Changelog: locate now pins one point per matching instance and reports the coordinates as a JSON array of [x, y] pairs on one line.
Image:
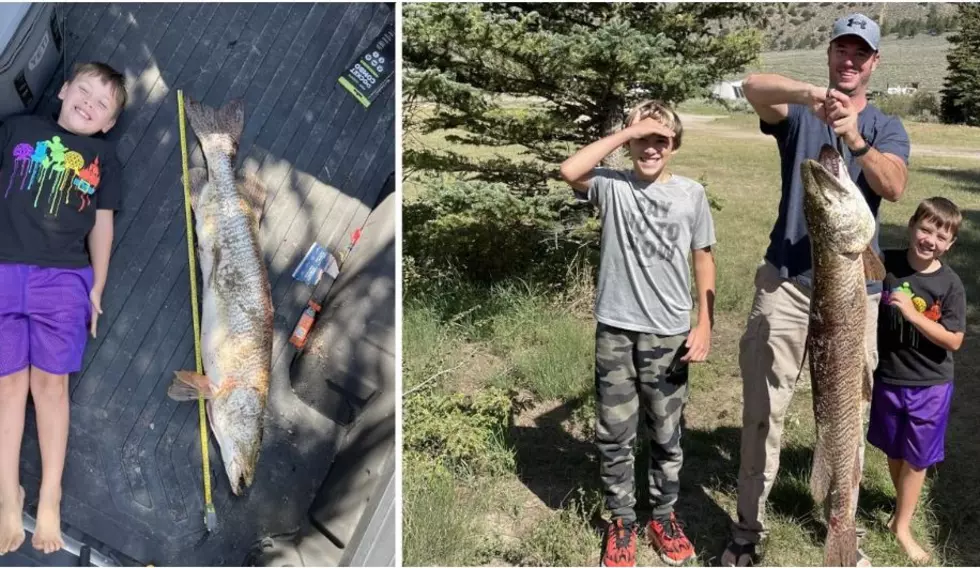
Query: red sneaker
[[669, 541], [620, 548]]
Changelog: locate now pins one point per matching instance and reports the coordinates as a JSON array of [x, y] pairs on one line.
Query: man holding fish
[[871, 160]]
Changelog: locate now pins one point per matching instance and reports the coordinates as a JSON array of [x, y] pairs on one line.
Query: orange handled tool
[[302, 329]]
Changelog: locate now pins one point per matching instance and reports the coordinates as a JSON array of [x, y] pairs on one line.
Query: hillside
[[796, 25], [922, 61]]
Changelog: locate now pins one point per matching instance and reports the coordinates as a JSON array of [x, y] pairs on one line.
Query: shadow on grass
[[969, 179], [552, 463], [557, 466]]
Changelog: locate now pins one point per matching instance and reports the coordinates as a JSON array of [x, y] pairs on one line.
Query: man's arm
[[770, 95], [577, 169], [699, 340], [886, 173]]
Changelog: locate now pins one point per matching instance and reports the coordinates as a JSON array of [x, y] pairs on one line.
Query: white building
[[729, 90]]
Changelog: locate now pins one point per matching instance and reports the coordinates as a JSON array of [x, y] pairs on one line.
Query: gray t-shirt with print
[[648, 231]]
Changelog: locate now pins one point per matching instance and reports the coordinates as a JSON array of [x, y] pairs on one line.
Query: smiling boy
[[61, 184], [652, 222], [921, 324]]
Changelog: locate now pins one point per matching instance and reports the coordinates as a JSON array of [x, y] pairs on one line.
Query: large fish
[[236, 300], [841, 228]]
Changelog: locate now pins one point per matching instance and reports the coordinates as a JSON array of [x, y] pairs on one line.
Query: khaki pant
[[770, 355]]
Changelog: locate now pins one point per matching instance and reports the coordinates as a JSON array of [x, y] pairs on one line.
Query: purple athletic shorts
[[44, 317], [909, 423]]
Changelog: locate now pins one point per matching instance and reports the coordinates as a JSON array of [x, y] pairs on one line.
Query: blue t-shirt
[[799, 137]]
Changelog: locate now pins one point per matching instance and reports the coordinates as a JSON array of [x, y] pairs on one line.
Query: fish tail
[[220, 129]]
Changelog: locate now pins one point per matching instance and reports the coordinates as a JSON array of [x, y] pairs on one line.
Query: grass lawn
[[544, 506]]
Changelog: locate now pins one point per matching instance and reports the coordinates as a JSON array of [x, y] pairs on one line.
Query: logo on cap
[[860, 22]]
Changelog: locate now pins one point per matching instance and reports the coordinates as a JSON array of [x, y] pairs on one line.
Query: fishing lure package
[[317, 262], [373, 69]]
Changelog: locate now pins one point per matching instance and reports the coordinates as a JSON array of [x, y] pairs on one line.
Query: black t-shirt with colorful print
[[52, 182], [906, 357]]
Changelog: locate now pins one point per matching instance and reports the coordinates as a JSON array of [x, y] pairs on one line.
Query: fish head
[[236, 417], [837, 213]]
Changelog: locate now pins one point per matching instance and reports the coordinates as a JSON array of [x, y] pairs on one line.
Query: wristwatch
[[862, 151]]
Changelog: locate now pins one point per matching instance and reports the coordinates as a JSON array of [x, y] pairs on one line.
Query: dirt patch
[[478, 366], [519, 512]]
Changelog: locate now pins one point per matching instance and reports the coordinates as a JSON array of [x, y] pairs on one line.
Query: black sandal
[[737, 554]]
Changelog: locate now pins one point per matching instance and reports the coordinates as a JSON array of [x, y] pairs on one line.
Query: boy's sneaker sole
[[603, 564], [666, 559], [671, 562]]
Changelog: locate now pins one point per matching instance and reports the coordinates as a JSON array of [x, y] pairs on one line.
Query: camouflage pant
[[631, 371]]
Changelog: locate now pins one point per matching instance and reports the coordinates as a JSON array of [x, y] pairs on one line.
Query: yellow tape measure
[[210, 515]]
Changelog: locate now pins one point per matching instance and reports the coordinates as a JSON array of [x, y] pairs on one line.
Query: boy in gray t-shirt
[[651, 220]]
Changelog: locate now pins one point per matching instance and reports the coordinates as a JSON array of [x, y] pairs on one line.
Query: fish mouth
[[239, 445], [239, 475], [831, 161], [836, 212], [828, 174]]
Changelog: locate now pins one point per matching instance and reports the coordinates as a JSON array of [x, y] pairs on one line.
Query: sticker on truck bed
[[373, 69], [39, 52]]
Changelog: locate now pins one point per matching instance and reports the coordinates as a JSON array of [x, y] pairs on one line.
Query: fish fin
[[867, 383], [187, 385], [215, 262], [198, 179], [873, 267], [806, 351], [254, 193], [231, 118], [821, 473]]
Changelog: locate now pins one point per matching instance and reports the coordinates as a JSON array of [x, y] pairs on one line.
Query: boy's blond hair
[[941, 211], [108, 75], [662, 114]]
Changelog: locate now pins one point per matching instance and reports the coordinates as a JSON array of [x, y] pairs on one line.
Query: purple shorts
[[909, 423], [44, 317]]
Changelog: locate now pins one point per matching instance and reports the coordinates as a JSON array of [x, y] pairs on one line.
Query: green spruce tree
[[961, 90], [569, 72]]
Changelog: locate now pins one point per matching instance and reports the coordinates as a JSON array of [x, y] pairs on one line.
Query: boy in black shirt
[[60, 185], [920, 325]]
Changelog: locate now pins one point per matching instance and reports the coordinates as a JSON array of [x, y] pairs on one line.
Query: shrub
[[465, 433], [919, 105], [487, 233]]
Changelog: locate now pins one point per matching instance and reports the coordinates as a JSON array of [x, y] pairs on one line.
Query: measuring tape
[[210, 515]]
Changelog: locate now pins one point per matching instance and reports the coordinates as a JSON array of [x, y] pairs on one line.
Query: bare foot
[[47, 535], [12, 525], [911, 547]]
